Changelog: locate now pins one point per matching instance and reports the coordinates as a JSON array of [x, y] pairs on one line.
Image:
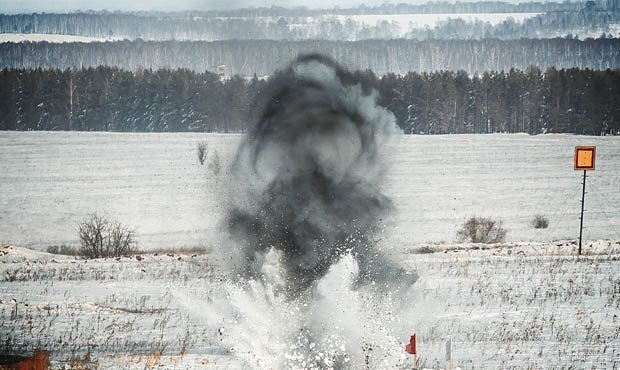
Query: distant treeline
[[432, 7], [46, 20], [109, 99], [263, 57], [586, 23], [577, 19]]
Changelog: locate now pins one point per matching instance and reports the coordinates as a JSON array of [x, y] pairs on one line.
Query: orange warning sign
[[584, 158]]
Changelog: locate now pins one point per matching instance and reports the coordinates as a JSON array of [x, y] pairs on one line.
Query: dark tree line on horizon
[[264, 57], [580, 101]]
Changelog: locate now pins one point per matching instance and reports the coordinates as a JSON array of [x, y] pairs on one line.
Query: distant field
[[153, 183], [407, 22], [404, 22], [415, 20], [511, 305], [37, 37], [50, 181]]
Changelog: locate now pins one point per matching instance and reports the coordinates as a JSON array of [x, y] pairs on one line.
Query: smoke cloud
[[311, 174]]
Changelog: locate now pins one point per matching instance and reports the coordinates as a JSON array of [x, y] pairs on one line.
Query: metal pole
[[583, 198]]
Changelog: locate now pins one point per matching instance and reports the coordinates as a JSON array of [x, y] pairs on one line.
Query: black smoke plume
[[311, 172]]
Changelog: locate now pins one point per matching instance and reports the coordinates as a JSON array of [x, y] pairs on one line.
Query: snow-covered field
[[526, 303], [37, 37], [523, 305], [405, 23], [50, 181], [153, 183], [414, 21]]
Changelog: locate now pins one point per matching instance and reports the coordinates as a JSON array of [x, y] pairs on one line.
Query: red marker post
[[410, 349]]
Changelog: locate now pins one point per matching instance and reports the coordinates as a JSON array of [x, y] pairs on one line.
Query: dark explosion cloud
[[310, 174]]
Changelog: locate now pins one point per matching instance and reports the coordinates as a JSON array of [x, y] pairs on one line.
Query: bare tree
[[201, 151], [100, 237]]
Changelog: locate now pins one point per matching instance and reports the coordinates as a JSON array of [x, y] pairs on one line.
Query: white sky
[[12, 6]]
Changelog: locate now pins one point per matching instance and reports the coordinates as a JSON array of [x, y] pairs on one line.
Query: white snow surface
[[37, 37], [527, 303], [512, 305], [51, 181]]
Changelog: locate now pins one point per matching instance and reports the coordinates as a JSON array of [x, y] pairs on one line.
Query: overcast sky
[[12, 6]]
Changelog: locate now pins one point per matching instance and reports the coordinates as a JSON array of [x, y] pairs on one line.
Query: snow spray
[[312, 289]]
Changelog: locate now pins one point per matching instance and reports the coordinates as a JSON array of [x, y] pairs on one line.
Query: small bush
[[176, 251], [62, 249], [482, 230], [540, 222], [423, 250], [201, 151], [100, 237]]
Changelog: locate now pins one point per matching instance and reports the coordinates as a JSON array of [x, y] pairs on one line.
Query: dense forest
[[575, 100], [436, 79], [576, 19], [263, 57]]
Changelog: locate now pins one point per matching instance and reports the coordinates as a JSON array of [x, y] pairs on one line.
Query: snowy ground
[[528, 303], [50, 181], [153, 183], [515, 305], [37, 37]]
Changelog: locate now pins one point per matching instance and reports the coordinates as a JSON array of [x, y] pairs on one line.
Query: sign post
[[584, 160]]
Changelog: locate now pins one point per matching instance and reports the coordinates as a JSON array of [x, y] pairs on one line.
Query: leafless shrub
[[423, 250], [100, 237], [201, 151], [482, 230], [540, 222], [176, 251], [11, 275], [62, 249]]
